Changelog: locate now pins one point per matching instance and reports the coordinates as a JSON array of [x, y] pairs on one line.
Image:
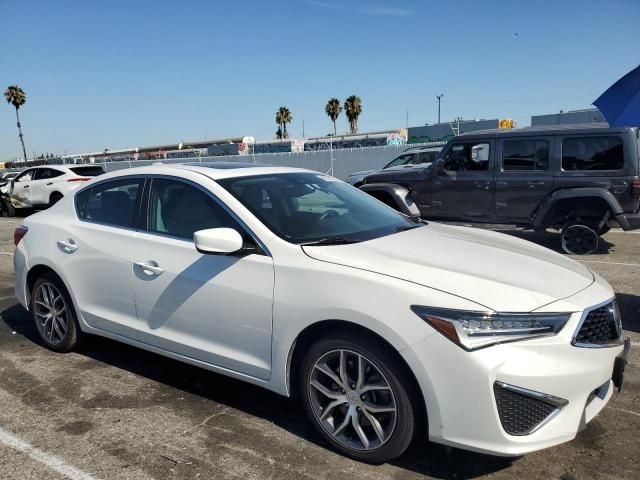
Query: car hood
[[363, 172], [498, 271]]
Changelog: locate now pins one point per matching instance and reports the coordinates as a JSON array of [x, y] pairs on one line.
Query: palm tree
[[283, 116], [16, 97], [353, 109], [333, 109]]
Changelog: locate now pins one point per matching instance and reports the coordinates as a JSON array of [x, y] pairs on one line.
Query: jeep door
[[464, 187], [524, 176]]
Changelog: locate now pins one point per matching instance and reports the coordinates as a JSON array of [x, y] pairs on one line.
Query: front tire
[[357, 395], [53, 314]]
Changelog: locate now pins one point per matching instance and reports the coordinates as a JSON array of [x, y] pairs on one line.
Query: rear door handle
[[535, 184], [149, 269], [50, 183], [68, 246], [25, 186]]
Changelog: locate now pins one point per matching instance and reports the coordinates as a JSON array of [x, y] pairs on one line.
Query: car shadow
[[552, 240], [422, 457]]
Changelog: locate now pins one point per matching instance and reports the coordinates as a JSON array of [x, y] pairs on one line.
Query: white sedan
[[388, 328]]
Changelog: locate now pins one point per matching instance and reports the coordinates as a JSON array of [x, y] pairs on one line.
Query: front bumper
[[628, 221], [459, 388]]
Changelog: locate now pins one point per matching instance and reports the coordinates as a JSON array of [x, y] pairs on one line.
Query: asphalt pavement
[[111, 411]]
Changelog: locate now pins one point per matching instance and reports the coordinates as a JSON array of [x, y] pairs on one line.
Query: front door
[[20, 189], [213, 308], [524, 177], [464, 188]]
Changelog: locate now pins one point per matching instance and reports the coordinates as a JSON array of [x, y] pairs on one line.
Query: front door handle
[[67, 245], [535, 184], [149, 269], [50, 183], [25, 186]]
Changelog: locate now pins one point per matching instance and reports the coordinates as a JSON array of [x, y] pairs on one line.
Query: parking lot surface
[[110, 411]]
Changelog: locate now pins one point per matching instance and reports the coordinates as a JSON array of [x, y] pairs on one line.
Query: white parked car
[[300, 283], [39, 187]]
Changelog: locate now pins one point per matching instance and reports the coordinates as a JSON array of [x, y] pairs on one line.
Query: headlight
[[472, 330]]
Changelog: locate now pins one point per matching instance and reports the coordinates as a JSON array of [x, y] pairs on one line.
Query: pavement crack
[[222, 411]]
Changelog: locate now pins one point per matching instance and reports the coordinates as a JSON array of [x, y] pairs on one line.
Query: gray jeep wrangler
[[579, 179]]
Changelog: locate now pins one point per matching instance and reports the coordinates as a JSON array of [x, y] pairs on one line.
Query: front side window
[[467, 156], [592, 153], [529, 155], [427, 157], [179, 209], [306, 208], [25, 176], [401, 160], [113, 203]]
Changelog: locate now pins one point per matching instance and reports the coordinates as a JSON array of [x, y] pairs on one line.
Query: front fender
[[400, 194]]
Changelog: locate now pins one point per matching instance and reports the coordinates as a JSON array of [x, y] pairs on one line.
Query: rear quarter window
[[81, 199], [592, 153], [88, 171]]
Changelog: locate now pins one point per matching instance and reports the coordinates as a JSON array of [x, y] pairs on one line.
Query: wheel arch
[[315, 330], [562, 201]]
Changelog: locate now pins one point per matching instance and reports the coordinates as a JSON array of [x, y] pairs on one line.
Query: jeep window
[[592, 153], [525, 155], [467, 156], [427, 157], [401, 160]]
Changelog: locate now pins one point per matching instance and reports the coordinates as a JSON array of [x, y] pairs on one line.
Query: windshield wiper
[[404, 228], [334, 240]]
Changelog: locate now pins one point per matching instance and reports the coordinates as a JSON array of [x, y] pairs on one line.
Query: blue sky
[[115, 74]]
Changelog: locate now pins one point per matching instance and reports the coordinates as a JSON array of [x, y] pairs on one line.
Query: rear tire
[[579, 239], [53, 314], [365, 409]]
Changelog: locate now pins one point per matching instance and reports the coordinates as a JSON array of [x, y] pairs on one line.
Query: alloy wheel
[[51, 313], [579, 239], [352, 400]]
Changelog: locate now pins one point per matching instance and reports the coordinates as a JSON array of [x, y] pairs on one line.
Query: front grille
[[521, 413], [600, 326]]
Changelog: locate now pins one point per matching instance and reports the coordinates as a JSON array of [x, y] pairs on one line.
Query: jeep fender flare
[[547, 205], [401, 195]]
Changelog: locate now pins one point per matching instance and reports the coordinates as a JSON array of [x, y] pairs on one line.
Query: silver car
[[410, 157]]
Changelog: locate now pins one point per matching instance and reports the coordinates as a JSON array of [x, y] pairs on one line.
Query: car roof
[[588, 128], [213, 170]]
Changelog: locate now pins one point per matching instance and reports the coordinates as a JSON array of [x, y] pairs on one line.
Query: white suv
[[298, 282], [40, 187]]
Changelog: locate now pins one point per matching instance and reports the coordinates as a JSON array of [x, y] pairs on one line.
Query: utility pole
[[303, 128], [439, 97]]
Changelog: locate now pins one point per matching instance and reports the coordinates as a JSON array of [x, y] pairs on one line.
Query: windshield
[[311, 208], [401, 160]]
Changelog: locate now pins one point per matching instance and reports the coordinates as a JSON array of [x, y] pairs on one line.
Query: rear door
[[96, 254], [465, 187], [524, 176], [41, 185]]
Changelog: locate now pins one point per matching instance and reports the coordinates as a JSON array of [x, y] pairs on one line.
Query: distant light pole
[[439, 97]]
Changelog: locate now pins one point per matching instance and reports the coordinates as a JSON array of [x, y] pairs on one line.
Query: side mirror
[[217, 241]]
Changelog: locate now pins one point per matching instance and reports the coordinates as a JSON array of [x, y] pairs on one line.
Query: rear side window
[[46, 173], [526, 155], [81, 200], [592, 153], [113, 203], [88, 171], [427, 157]]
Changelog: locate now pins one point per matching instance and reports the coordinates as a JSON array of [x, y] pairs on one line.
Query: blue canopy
[[620, 104]]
